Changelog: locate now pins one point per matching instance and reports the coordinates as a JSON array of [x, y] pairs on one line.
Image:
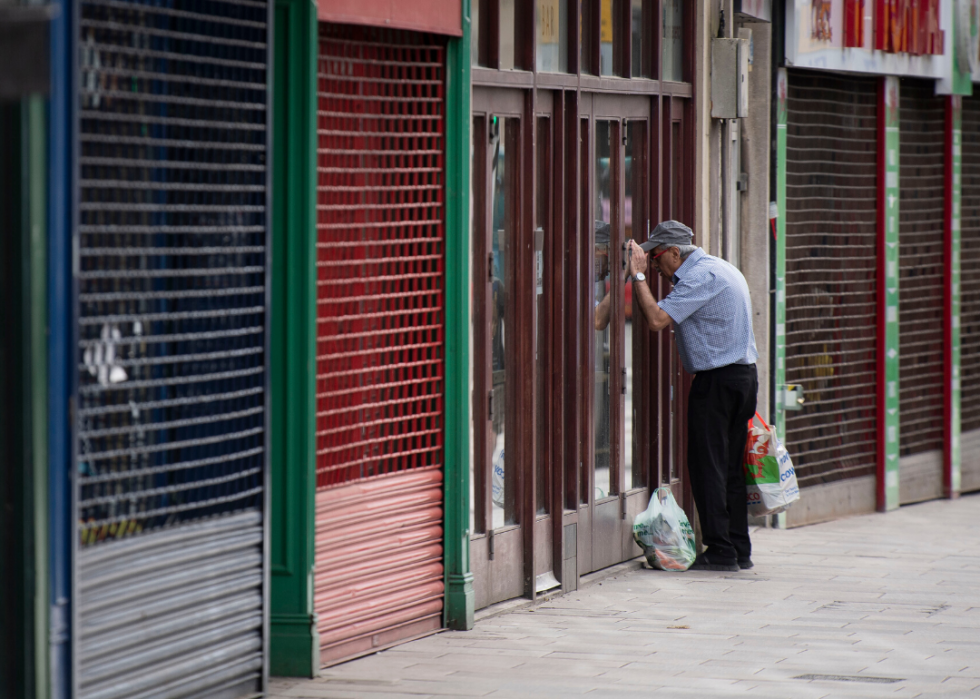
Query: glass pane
[[505, 135], [603, 279], [585, 195], [636, 229], [639, 63], [673, 41], [475, 32], [541, 232], [606, 37], [477, 228], [552, 33], [675, 169], [507, 47]]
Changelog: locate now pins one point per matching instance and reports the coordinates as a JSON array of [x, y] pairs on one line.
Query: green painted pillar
[[951, 339], [887, 305], [459, 580], [779, 370], [294, 644]]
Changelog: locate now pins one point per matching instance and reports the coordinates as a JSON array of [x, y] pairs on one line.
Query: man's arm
[[602, 313], [656, 317]]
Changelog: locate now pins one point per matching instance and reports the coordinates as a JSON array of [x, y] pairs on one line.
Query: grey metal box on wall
[[729, 78]]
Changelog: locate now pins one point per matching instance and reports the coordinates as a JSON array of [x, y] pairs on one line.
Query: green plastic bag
[[664, 533]]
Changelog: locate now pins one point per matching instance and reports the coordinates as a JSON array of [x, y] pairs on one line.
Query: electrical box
[[793, 397], [729, 78]]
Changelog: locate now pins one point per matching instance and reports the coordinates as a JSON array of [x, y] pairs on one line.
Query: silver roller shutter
[[170, 412]]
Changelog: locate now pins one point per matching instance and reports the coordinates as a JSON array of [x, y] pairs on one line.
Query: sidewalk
[[878, 605]]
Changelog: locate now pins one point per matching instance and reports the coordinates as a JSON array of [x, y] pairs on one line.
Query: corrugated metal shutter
[[970, 296], [170, 420], [830, 274], [380, 355], [921, 254]]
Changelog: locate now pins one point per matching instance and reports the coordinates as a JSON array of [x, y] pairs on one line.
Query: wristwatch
[[640, 277]]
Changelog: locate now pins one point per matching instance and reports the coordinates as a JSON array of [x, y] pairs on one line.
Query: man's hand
[[638, 259]]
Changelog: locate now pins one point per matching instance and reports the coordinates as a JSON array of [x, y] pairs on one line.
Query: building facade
[[869, 289]]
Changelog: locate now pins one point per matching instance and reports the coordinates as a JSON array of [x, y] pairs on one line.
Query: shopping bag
[[770, 478], [664, 533]]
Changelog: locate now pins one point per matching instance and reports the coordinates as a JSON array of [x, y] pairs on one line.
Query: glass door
[[500, 449]]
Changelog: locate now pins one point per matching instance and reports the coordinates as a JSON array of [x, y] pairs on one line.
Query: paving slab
[[874, 606]]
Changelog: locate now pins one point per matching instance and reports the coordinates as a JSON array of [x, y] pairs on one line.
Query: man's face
[[666, 262]]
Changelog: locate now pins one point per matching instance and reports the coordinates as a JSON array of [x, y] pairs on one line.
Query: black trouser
[[719, 407]]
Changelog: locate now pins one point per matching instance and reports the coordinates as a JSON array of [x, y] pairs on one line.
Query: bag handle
[[761, 420]]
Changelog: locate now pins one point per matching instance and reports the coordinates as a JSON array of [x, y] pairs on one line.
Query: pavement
[[871, 606]]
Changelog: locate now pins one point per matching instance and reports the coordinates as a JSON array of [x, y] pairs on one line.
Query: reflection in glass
[[673, 40], [507, 43], [504, 138], [636, 223], [476, 227], [600, 406], [639, 65], [606, 37], [552, 32], [541, 231], [585, 195], [475, 32]]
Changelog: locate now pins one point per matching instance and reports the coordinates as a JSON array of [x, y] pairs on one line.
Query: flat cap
[[602, 231], [668, 233]]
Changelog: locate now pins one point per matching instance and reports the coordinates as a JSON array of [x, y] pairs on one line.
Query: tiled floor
[[888, 603]]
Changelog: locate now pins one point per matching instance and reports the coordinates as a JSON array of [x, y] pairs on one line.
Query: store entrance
[[577, 406]]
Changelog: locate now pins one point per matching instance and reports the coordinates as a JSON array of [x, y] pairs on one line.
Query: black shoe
[[702, 562], [745, 563]]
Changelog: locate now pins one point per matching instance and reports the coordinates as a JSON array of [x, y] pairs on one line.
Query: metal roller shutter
[[830, 274], [970, 297], [380, 355], [171, 282], [921, 225]]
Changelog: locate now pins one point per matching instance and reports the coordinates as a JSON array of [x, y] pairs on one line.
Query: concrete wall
[[920, 477], [822, 503], [754, 219]]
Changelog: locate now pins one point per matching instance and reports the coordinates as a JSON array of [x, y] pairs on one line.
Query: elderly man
[[712, 316]]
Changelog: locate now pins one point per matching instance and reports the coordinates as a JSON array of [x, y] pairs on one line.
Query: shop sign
[[890, 37]]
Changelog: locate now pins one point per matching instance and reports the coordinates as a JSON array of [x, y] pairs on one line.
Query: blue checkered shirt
[[712, 314]]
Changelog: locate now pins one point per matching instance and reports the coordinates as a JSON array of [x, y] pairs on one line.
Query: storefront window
[[475, 32], [507, 34], [640, 19], [542, 232], [505, 138], [606, 37], [636, 223], [552, 33], [673, 40], [603, 281]]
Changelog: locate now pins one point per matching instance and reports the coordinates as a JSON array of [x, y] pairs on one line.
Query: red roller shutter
[[380, 353], [831, 315], [921, 252], [970, 297]]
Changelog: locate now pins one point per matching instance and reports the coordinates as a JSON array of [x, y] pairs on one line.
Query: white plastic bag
[[770, 478], [664, 533]]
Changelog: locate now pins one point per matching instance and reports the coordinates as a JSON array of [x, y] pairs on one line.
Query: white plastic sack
[[498, 474], [664, 533], [770, 478]]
